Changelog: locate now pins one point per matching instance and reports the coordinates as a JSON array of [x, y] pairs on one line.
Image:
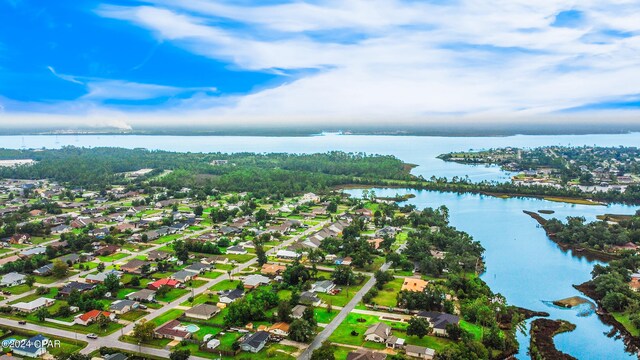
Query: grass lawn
[[241, 258], [212, 274], [322, 316], [623, 318], [343, 335], [196, 283], [52, 294], [113, 257], [167, 238], [387, 296], [474, 329], [167, 316], [133, 315], [225, 267], [172, 295], [344, 296], [225, 285], [18, 289], [154, 343]]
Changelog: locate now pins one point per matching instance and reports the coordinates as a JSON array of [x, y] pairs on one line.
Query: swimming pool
[[191, 328]]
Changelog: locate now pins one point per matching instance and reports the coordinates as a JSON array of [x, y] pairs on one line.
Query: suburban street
[[333, 325]]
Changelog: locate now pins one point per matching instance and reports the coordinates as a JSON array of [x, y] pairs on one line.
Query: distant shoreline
[[313, 133]]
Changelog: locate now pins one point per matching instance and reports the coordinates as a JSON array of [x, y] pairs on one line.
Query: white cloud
[[396, 59]]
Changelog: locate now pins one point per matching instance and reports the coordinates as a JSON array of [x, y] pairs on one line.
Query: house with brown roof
[[279, 329], [634, 284], [375, 243], [272, 269], [91, 316], [19, 238], [411, 284], [172, 330], [134, 266], [107, 250]]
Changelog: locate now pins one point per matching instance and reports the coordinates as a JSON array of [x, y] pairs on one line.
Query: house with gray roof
[[12, 279], [254, 342]]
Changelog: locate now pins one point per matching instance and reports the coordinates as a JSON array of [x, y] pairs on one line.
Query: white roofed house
[[236, 250], [323, 286], [255, 280], [286, 254], [31, 306], [12, 279]]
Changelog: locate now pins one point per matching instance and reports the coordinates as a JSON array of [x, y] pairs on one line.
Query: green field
[[387, 296]]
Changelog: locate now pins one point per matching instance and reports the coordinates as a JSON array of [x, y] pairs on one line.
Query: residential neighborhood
[[227, 274]]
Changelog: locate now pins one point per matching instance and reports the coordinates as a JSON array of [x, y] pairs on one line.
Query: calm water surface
[[522, 263]]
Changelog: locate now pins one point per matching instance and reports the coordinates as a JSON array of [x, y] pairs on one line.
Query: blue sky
[[128, 62]]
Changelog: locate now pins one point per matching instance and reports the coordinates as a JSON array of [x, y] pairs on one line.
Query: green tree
[[42, 314], [418, 326], [112, 283], [324, 352], [143, 330], [100, 267], [343, 275], [103, 322], [60, 269], [300, 330], [30, 280], [180, 354]]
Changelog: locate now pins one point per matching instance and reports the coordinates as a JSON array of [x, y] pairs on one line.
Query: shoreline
[[577, 250], [542, 345], [632, 343]]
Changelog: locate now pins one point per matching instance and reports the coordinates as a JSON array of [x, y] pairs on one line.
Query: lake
[[522, 263]]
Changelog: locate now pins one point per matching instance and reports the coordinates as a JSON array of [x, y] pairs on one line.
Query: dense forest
[[265, 174]]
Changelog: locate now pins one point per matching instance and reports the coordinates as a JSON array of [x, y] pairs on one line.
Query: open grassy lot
[[212, 274], [322, 316], [133, 315], [113, 257], [239, 257], [167, 238], [387, 296], [169, 315], [225, 285], [172, 295]]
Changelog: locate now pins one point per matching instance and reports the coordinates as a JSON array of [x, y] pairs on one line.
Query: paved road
[[329, 329]]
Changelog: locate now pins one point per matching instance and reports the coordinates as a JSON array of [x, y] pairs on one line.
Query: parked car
[[143, 307], [22, 322], [92, 336]]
